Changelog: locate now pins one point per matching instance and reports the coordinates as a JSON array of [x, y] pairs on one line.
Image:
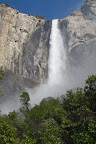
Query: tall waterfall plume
[[56, 68], [57, 56]]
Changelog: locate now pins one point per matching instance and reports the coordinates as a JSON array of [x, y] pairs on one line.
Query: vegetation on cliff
[[6, 4], [40, 17], [1, 77], [71, 122]]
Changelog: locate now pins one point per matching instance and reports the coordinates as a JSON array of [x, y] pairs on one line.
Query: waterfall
[[56, 73], [56, 68], [60, 78], [57, 56]]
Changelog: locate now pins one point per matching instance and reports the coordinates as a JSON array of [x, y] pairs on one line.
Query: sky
[[51, 9]]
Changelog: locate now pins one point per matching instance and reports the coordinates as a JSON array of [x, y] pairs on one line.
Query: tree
[[73, 100], [90, 92], [24, 99], [7, 5], [1, 77], [8, 133], [40, 17], [49, 132], [1, 74], [91, 83]]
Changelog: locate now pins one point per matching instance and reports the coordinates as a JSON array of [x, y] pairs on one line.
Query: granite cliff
[[23, 49], [24, 45], [79, 29]]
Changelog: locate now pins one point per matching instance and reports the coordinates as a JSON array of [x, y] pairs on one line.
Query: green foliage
[[73, 100], [1, 77], [7, 5], [1, 74], [0, 94], [12, 115], [91, 83], [71, 122], [49, 132], [7, 133], [38, 114], [40, 17], [90, 92], [24, 99]]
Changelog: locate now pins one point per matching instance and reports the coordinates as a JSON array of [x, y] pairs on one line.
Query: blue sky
[[51, 9]]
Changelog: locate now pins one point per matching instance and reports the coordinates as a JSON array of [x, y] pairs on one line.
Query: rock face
[[79, 33], [24, 44], [35, 54]]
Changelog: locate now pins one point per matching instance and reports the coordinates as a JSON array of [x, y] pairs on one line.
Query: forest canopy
[[71, 122]]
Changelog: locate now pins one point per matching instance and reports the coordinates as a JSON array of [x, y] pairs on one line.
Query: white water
[[59, 78], [57, 56], [56, 70]]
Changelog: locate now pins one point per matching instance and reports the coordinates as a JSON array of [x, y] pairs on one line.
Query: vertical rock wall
[[24, 44]]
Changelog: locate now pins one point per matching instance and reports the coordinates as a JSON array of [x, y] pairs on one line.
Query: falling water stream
[[60, 78], [56, 68], [57, 56]]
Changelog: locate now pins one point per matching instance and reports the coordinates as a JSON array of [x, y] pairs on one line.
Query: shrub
[[7, 5], [24, 99], [40, 17]]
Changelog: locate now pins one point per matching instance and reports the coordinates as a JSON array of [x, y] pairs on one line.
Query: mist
[[64, 72], [61, 76]]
